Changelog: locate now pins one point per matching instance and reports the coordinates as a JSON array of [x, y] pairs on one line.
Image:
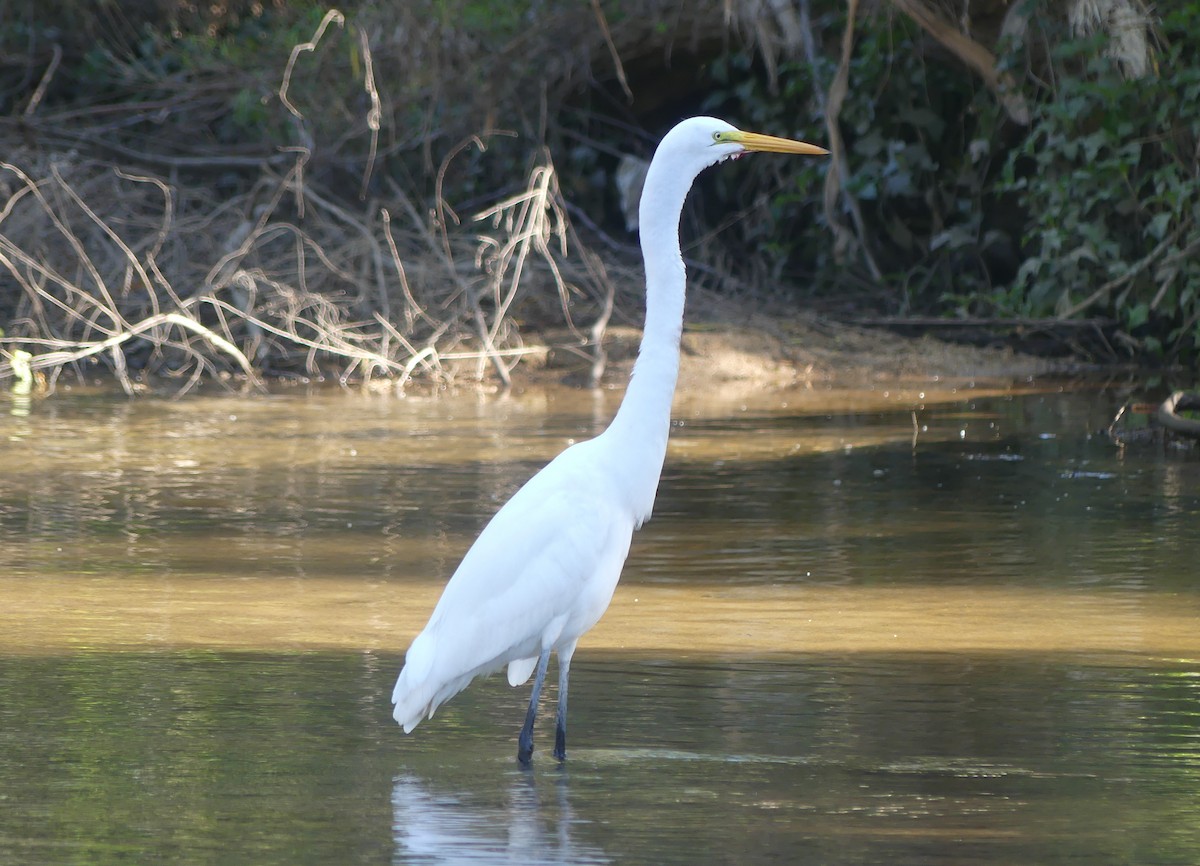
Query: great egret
[[544, 568]]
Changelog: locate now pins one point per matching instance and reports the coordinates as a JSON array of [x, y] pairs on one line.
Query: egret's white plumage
[[543, 570]]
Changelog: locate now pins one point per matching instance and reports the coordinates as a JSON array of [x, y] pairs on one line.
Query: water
[[866, 625]]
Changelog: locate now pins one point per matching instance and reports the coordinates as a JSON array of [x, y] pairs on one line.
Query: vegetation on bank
[[406, 189]]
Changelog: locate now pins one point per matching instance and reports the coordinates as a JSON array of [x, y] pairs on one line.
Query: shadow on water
[[867, 626]]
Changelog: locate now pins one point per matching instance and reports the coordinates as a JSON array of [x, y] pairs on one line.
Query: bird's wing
[[543, 570]]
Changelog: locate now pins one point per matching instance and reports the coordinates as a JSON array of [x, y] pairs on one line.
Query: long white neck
[[639, 431]]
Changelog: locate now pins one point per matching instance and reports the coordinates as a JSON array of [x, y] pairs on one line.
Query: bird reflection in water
[[533, 827]]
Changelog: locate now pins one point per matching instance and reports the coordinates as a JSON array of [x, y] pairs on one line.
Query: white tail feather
[[414, 690], [424, 684]]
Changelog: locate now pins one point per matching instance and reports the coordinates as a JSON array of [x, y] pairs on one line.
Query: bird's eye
[[716, 136]]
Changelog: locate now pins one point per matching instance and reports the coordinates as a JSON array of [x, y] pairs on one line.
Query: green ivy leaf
[[1137, 315], [1157, 227]]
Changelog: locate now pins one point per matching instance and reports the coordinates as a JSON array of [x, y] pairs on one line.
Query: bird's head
[[690, 147], [710, 140]]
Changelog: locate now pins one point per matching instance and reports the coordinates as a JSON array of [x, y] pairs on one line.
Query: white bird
[[544, 568]]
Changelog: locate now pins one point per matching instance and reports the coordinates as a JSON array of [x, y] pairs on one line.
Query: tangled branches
[[271, 275], [108, 266]]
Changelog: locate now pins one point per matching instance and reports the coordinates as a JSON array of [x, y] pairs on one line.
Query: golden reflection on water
[[329, 427], [52, 615], [222, 456]]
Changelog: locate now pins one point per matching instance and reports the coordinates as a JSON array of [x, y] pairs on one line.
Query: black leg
[[560, 726], [525, 739]]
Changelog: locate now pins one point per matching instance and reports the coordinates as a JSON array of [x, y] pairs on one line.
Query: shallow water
[[866, 625]]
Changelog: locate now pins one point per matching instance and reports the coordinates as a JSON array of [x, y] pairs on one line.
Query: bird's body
[[540, 574], [544, 569]]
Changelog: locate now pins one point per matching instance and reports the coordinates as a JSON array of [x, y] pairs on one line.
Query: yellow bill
[[773, 144]]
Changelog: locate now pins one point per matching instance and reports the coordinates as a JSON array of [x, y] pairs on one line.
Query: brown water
[[842, 639]]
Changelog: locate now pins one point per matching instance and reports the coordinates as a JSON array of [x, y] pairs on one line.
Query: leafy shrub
[[1109, 181], [1093, 210], [917, 136]]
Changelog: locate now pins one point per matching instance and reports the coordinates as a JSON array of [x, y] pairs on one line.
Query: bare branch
[[47, 77], [612, 49], [971, 53], [332, 16], [374, 115]]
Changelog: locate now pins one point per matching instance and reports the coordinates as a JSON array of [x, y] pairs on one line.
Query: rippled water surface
[[874, 624]]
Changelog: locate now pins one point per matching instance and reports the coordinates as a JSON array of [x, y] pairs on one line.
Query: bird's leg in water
[[560, 727], [525, 740]]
